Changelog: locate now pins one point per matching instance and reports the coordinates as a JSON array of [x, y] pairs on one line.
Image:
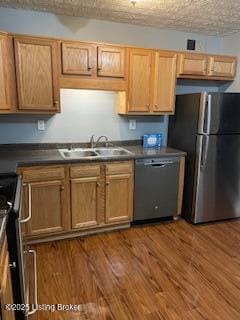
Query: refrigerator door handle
[[204, 149], [209, 109], [205, 114]]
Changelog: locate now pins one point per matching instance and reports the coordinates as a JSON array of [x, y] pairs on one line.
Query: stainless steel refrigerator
[[207, 127]]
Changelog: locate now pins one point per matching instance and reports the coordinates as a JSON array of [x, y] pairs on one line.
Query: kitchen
[[84, 204]]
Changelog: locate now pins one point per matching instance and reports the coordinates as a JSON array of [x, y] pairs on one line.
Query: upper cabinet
[[219, 66], [93, 66], [152, 82], [203, 66], [164, 82], [111, 61], [78, 58], [140, 75], [192, 64], [33, 69], [37, 71], [7, 75]]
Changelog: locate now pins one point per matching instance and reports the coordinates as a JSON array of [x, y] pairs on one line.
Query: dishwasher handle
[[158, 165], [161, 164]]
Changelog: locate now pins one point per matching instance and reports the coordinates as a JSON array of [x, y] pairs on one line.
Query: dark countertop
[[10, 160]]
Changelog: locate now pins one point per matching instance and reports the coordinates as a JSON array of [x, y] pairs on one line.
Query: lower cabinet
[[119, 192], [84, 202], [101, 194], [60, 200], [44, 204], [6, 295]]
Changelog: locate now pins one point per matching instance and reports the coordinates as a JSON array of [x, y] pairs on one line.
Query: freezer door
[[220, 113], [217, 188]]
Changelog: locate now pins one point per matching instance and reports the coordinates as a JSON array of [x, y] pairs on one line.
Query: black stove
[[10, 201]]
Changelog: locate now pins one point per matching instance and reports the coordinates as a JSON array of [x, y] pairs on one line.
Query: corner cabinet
[[152, 83], [37, 72], [8, 102], [203, 66]]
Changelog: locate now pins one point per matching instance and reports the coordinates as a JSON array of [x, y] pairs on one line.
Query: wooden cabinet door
[[37, 70], [111, 61], [165, 82], [219, 66], [78, 58], [6, 295], [7, 76], [140, 68], [119, 198], [48, 208], [85, 202], [192, 64]]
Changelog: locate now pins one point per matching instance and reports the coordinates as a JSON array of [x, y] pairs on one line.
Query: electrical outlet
[[41, 125], [132, 124]]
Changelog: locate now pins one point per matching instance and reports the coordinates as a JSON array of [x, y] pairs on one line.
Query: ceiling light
[[133, 2]]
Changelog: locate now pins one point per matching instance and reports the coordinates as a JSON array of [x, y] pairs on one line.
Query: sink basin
[[77, 153], [93, 152], [109, 152]]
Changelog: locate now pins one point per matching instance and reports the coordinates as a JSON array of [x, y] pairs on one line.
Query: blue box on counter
[[153, 140]]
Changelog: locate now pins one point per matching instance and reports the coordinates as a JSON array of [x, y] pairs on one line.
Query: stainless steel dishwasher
[[156, 188]]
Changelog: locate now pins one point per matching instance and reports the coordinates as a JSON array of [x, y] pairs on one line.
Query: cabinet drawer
[[38, 174], [119, 167], [85, 171]]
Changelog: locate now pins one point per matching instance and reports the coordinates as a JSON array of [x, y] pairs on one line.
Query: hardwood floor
[[171, 271]]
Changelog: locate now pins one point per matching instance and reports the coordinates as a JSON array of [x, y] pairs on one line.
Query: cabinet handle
[[206, 67], [156, 107], [98, 184], [62, 188], [34, 310], [148, 107], [56, 103], [13, 265], [107, 183], [99, 60], [29, 205]]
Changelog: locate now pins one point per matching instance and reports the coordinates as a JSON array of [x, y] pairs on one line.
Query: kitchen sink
[[109, 152], [77, 153], [80, 153]]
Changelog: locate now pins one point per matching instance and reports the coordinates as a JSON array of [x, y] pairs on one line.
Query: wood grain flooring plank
[[169, 271]]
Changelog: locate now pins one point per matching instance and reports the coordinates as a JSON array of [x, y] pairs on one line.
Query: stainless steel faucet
[[94, 144]]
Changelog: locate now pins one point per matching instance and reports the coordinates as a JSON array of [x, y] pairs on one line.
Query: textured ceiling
[[213, 17]]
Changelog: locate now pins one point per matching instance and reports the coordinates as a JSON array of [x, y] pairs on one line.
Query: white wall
[[83, 113], [231, 46]]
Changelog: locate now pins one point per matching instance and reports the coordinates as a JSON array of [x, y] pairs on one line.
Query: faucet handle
[[92, 141], [109, 144]]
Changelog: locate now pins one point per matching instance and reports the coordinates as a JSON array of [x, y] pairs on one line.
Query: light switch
[[41, 125], [132, 124]]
